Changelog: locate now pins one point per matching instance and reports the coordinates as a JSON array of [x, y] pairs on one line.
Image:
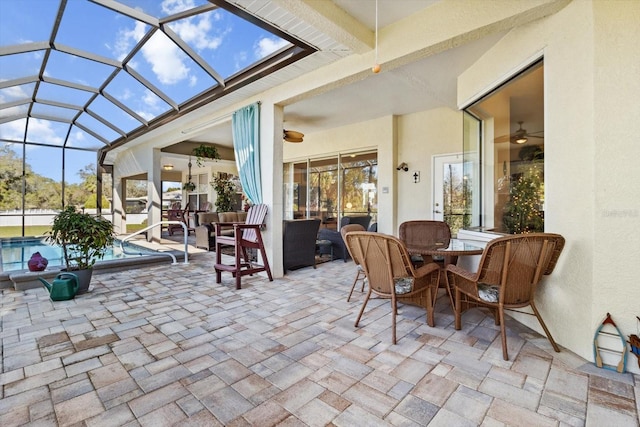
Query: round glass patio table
[[449, 253]]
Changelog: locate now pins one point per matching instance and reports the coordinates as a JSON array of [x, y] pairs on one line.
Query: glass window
[[332, 188], [323, 190], [359, 184], [504, 156], [136, 196]]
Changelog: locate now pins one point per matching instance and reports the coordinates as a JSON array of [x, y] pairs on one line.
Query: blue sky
[[227, 43]]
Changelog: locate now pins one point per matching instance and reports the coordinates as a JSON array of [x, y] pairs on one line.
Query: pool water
[[16, 252]]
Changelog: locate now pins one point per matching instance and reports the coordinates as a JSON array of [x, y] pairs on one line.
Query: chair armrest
[[427, 269], [242, 226], [459, 271], [462, 279]]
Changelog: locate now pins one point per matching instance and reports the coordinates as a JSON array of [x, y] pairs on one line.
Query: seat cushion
[[488, 293], [207, 217], [403, 285]]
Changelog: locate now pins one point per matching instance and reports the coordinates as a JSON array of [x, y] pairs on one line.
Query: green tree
[[10, 178]]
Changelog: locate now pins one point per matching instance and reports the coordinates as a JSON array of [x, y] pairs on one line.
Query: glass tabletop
[[455, 247]]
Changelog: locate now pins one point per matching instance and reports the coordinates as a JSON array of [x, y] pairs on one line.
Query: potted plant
[[189, 186], [84, 239], [205, 152]]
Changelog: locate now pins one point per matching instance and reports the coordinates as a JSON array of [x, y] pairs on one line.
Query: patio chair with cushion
[[390, 274], [338, 247], [246, 235], [359, 271], [507, 277]]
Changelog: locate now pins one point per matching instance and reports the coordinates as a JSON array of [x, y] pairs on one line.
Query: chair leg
[[394, 311], [266, 261], [431, 321], [354, 284], [546, 331], [218, 261], [503, 333], [364, 304], [458, 310]]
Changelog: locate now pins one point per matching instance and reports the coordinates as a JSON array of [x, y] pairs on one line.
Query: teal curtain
[[246, 144]]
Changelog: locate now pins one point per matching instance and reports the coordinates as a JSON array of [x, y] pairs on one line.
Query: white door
[[447, 189]]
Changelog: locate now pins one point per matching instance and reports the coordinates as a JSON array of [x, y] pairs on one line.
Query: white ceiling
[[419, 86]]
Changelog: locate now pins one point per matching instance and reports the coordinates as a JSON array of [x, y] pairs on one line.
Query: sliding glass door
[[330, 188]]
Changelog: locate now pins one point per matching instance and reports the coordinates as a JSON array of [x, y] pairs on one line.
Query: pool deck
[[165, 345]]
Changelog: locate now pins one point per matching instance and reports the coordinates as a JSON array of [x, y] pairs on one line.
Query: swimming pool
[[16, 252]]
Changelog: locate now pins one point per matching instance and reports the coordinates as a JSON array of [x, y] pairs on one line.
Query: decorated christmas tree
[[523, 212]]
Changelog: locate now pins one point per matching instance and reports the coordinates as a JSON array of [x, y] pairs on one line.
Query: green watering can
[[63, 288]]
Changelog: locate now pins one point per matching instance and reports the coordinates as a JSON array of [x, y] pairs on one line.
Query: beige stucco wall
[[591, 151], [420, 137]]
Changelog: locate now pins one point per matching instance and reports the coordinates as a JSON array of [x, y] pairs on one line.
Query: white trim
[[495, 84]]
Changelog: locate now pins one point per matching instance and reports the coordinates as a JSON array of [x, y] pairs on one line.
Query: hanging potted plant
[[84, 239], [205, 152], [189, 186]]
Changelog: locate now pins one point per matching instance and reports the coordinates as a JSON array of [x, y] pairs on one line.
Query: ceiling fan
[[292, 135], [520, 136]]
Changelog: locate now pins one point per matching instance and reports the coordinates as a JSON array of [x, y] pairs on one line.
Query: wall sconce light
[[403, 166], [167, 167]]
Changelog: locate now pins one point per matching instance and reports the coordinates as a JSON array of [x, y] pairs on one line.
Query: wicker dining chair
[[360, 276], [390, 274], [510, 269], [424, 233]]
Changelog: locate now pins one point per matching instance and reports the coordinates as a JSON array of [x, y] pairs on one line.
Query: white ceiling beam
[[328, 18]]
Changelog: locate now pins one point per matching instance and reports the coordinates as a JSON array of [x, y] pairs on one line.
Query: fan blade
[[291, 139], [503, 138], [535, 136]]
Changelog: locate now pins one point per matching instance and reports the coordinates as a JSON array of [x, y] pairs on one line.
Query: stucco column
[[154, 196], [271, 117]]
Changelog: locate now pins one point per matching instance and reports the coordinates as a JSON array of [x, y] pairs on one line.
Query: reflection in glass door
[[451, 193], [332, 188]]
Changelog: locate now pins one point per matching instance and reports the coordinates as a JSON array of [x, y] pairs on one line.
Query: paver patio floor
[[165, 345]]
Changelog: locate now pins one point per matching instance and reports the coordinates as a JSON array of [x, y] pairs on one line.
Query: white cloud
[[240, 59], [145, 115], [266, 46], [13, 130], [12, 93], [41, 131], [174, 6], [126, 39], [166, 59], [150, 100], [195, 31]]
